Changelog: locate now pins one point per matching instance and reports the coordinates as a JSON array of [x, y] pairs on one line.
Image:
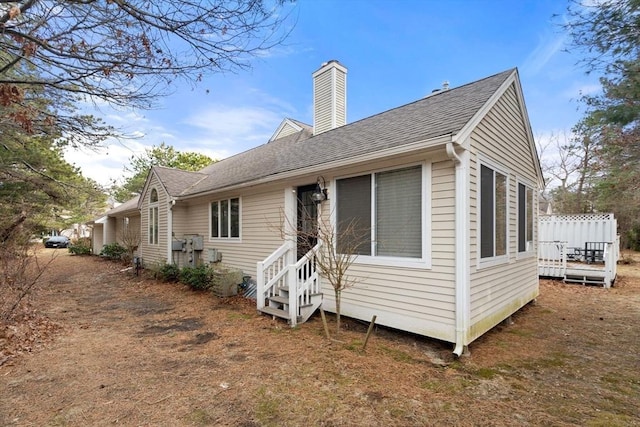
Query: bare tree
[[123, 53], [336, 255], [20, 271], [340, 246], [130, 238], [569, 163]]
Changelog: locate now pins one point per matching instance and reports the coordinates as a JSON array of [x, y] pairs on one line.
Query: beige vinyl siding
[[499, 290], [419, 300], [322, 102], [260, 216], [443, 218], [286, 130], [340, 100], [97, 238], [154, 254], [110, 231]]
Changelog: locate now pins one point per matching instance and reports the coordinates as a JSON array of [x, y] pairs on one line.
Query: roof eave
[[319, 168]]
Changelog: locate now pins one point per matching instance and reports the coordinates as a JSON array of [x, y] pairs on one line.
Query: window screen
[[354, 215], [399, 213]]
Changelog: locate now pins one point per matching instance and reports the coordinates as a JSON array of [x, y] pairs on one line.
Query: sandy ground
[[103, 347]]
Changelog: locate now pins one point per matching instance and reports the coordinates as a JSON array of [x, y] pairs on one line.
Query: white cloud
[[548, 45], [105, 164]]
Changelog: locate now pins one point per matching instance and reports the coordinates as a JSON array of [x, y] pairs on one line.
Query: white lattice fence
[[577, 229]]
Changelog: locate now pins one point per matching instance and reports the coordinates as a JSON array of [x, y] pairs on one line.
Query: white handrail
[[303, 282], [270, 272]]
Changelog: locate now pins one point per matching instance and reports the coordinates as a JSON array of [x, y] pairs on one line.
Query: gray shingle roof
[[176, 181], [442, 113], [129, 205]]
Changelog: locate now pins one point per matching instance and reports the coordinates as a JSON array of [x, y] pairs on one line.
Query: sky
[[396, 51]]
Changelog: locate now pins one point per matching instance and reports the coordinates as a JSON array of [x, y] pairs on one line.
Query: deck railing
[[552, 259], [610, 262]]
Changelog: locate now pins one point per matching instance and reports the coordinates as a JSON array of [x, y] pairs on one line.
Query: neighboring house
[[118, 225], [445, 188]]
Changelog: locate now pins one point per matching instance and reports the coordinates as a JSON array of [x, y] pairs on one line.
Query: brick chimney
[[329, 97]]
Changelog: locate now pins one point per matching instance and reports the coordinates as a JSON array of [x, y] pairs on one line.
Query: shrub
[[198, 278], [166, 272], [81, 247], [114, 251]]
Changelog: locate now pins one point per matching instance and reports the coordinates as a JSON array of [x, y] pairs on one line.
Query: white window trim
[[532, 251], [425, 262], [500, 259], [227, 239], [152, 206]]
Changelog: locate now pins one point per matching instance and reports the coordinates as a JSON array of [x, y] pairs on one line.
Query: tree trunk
[[337, 311]]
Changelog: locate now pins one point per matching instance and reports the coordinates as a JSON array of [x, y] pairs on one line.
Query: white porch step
[[279, 299], [276, 312]]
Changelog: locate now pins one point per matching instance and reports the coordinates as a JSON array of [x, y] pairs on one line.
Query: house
[[119, 225], [444, 188]]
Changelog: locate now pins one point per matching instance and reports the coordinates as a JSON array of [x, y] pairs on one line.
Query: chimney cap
[[324, 64], [332, 63]]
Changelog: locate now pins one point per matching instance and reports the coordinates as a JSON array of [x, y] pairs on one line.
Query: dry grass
[[131, 351]]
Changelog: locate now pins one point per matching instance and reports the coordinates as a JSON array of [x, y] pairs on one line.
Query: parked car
[[57, 242]]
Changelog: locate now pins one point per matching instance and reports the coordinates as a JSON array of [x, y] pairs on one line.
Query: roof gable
[[288, 127], [173, 181], [513, 80]]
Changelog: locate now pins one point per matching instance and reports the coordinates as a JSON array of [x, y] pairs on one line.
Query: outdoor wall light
[[320, 193]]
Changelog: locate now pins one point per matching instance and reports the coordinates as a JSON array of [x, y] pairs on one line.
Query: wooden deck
[[555, 261]]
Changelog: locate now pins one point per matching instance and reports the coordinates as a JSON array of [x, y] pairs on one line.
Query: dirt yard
[[105, 347]]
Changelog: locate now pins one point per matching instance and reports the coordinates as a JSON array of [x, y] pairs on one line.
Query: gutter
[[172, 203], [462, 251]]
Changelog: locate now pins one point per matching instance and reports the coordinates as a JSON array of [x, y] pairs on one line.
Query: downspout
[[172, 203], [462, 252]]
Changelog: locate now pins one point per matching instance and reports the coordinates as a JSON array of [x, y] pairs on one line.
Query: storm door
[[307, 220]]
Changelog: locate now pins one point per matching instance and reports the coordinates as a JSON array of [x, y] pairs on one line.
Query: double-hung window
[[154, 221], [382, 214], [525, 218], [225, 219], [493, 213]]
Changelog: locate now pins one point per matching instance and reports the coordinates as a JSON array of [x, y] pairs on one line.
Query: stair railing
[[304, 282], [272, 273]]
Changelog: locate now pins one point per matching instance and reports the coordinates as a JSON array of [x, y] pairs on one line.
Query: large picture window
[[381, 214], [154, 221], [493, 213], [225, 218], [525, 218]]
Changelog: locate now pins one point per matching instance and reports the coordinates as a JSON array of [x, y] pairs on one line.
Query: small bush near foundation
[[198, 278], [81, 247], [113, 251], [166, 272]]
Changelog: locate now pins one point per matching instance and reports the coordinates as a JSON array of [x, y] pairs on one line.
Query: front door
[[307, 223]]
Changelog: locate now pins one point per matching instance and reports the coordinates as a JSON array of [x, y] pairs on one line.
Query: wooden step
[[276, 312], [279, 299]]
